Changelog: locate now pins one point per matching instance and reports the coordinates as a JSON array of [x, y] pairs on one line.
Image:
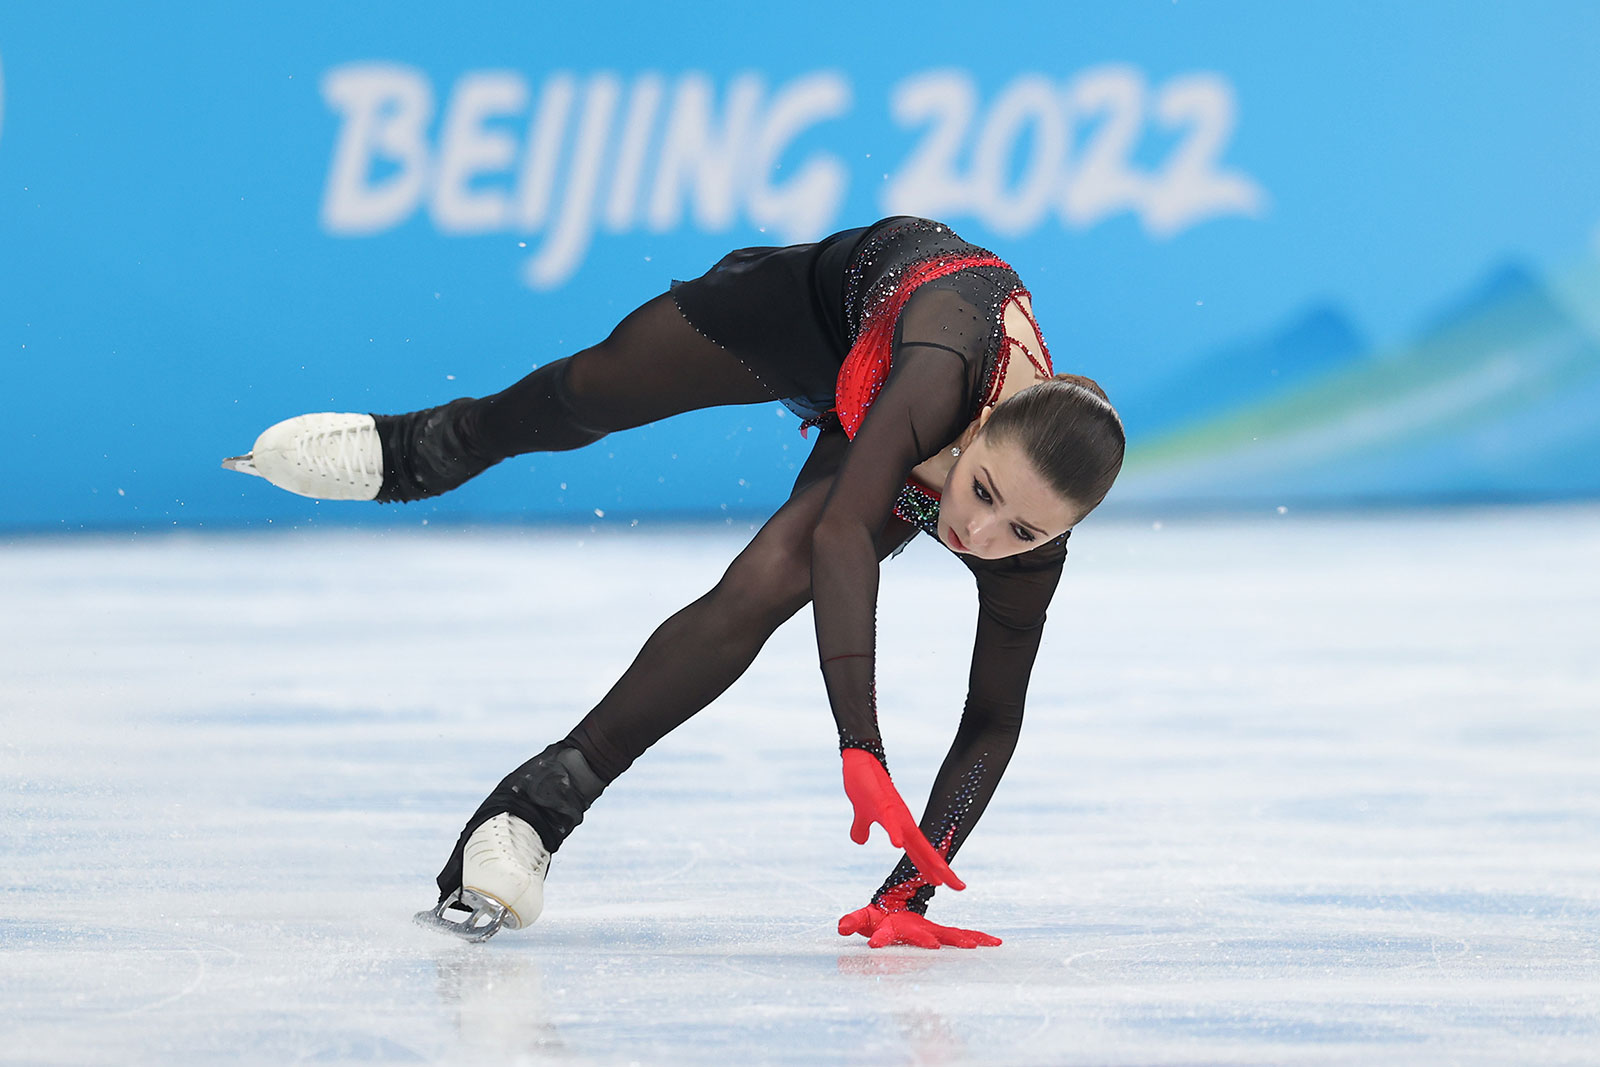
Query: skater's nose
[[980, 534]]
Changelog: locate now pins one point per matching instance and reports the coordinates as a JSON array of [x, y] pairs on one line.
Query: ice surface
[[1298, 789]]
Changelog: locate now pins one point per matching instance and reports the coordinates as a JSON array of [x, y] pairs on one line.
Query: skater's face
[[995, 504]]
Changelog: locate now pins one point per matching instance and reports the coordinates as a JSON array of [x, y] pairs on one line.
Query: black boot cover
[[550, 792], [426, 452]]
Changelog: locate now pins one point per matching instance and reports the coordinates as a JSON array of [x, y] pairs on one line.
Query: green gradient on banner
[[1479, 403]]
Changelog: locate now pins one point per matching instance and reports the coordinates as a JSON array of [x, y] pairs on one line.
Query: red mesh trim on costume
[[866, 368], [1047, 367], [1002, 362]]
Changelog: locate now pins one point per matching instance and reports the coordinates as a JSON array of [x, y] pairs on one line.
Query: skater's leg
[[703, 649], [652, 366], [689, 661]]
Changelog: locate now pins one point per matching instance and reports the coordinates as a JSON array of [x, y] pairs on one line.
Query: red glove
[[876, 800], [908, 928]]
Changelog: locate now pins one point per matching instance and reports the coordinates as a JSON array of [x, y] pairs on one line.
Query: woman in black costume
[[917, 356]]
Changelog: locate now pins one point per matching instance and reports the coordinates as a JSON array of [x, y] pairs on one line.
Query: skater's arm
[[938, 356], [921, 408], [1013, 595]]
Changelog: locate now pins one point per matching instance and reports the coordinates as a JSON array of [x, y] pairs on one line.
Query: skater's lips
[[955, 542]]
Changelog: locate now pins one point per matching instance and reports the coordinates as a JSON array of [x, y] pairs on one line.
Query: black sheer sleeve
[[940, 347], [1013, 595]]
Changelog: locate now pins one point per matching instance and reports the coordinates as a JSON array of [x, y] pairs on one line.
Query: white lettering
[[1106, 182], [560, 256], [1028, 101], [1191, 187], [1087, 187], [470, 149], [801, 208], [607, 152], [628, 176], [696, 154], [929, 184], [536, 184], [385, 109]]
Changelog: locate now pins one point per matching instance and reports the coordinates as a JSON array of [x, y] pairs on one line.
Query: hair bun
[[1087, 383]]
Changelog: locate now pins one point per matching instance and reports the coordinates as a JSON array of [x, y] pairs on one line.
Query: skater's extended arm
[[924, 405], [1013, 595]]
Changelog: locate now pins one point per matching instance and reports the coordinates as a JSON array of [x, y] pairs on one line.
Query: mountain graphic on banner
[[1496, 395], [1320, 340]]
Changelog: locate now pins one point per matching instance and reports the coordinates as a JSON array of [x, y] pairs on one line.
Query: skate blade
[[244, 464], [488, 916]]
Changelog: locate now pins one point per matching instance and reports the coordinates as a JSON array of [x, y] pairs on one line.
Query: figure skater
[[917, 357]]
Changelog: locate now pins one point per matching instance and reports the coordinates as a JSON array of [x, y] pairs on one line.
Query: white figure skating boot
[[502, 881], [496, 870], [350, 456], [328, 456]]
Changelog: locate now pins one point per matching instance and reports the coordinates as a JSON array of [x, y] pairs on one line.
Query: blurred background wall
[[1317, 253]]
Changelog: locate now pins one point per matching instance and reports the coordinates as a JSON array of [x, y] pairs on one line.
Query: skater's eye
[[1022, 533]]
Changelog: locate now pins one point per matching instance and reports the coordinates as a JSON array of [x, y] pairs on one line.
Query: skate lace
[[338, 453], [523, 843], [509, 840]]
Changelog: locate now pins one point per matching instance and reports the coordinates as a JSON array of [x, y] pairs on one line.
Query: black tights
[[654, 365]]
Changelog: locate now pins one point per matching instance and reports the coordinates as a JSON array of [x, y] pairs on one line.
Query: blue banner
[[1315, 254]]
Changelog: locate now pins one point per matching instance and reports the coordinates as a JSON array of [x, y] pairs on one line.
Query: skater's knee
[[577, 398], [767, 583]]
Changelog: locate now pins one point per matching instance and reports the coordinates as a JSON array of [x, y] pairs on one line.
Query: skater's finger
[[860, 921], [965, 938], [929, 863], [861, 828]]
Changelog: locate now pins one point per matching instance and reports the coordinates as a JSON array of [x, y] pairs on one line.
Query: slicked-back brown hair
[[1071, 433]]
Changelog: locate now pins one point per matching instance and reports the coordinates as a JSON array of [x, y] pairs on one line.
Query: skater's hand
[[863, 921], [882, 928], [876, 800]]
